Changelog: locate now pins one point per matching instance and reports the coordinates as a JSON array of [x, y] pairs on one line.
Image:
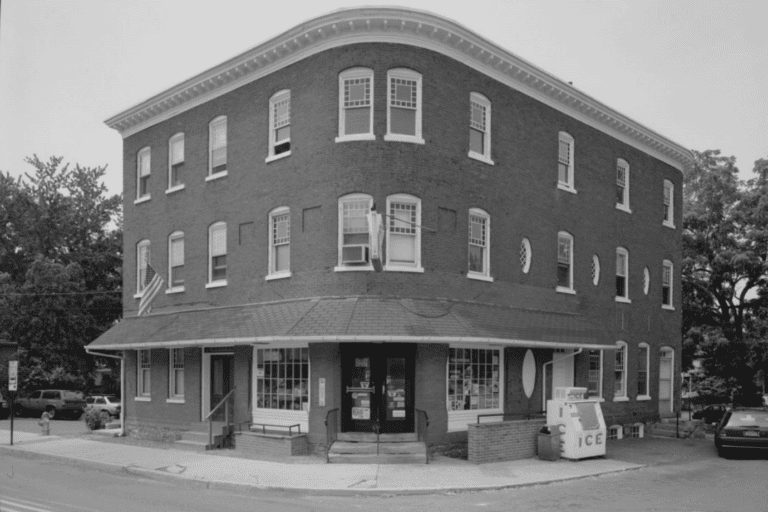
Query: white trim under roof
[[399, 26], [366, 338]]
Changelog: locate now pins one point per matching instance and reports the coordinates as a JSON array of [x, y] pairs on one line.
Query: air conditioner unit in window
[[351, 254]]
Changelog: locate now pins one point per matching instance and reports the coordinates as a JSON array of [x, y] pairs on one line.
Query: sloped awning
[[357, 320]]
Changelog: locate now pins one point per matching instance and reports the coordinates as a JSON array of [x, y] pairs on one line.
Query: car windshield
[[748, 419], [73, 395], [111, 398]]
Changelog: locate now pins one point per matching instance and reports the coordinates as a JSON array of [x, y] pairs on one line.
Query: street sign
[[13, 375]]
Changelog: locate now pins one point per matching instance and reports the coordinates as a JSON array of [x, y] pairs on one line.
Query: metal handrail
[[331, 430], [208, 417], [512, 416], [422, 429]]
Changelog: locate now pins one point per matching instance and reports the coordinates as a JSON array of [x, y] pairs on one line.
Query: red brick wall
[[254, 444], [503, 440]]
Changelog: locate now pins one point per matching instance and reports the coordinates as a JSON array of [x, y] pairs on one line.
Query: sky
[[695, 71]]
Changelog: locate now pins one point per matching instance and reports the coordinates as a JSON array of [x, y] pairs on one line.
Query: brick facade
[[503, 440]]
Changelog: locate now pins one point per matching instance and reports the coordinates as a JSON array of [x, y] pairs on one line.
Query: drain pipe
[[544, 376], [122, 385]]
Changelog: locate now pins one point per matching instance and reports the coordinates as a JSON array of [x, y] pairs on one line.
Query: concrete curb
[[220, 485]]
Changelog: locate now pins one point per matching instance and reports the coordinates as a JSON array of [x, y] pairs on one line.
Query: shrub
[[93, 419]]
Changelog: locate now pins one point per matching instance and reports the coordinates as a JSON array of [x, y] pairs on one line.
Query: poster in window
[[260, 371], [361, 362], [398, 414], [361, 413]]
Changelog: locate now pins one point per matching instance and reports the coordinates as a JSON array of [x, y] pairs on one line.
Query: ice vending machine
[[581, 422]]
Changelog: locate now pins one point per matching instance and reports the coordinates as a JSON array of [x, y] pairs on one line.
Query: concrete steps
[[357, 448], [198, 441]]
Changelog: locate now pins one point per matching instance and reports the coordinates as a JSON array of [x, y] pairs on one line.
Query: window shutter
[[219, 241]]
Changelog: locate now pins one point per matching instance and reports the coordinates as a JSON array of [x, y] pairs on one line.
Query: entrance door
[[222, 382], [666, 364], [378, 387]]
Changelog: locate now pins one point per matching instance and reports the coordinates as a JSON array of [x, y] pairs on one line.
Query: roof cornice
[[401, 26]]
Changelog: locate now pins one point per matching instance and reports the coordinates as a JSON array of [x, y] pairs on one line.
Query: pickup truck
[[56, 402]]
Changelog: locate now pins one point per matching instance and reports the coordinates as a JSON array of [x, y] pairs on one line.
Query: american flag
[[153, 284]]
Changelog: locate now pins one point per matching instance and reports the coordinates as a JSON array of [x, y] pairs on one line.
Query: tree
[[60, 269], [725, 263]]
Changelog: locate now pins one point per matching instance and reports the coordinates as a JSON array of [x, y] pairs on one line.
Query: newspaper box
[[581, 422]]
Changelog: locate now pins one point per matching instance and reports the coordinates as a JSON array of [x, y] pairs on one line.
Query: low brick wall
[[249, 443], [503, 440]]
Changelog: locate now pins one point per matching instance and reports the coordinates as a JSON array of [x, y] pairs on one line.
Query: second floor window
[[669, 204], [666, 284], [217, 158], [403, 232], [217, 264], [280, 242], [176, 260], [143, 169], [479, 243], [175, 160], [622, 273], [356, 104], [564, 261], [622, 185], [280, 124], [142, 261], [404, 106], [565, 162], [480, 127]]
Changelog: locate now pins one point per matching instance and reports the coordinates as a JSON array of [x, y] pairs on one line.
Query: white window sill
[[142, 399], [178, 289], [623, 208], [216, 176], [216, 284], [403, 138], [621, 399], [174, 400], [272, 158], [342, 268], [357, 136], [479, 157], [138, 295], [175, 189], [281, 275], [643, 398], [623, 300], [395, 268], [597, 399], [668, 225], [562, 289], [566, 188], [667, 307], [143, 199], [479, 277]]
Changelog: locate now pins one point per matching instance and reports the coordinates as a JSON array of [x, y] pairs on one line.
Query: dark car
[[711, 413], [56, 402], [742, 430]]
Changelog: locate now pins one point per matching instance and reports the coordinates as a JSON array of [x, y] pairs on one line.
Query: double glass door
[[378, 387]]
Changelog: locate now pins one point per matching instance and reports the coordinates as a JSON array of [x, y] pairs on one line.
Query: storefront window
[[282, 379], [473, 379]]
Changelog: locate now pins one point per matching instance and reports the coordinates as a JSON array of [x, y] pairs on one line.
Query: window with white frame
[[217, 144], [480, 127], [595, 385], [403, 106], [280, 242], [403, 232], [595, 269], [175, 161], [217, 250], [622, 274], [565, 161], [356, 104], [479, 244], [669, 204], [622, 185], [564, 261], [525, 255], [143, 170], [143, 366], [176, 261], [279, 124], [176, 373], [475, 380], [620, 371], [142, 261], [643, 363], [282, 379], [354, 239], [666, 285]]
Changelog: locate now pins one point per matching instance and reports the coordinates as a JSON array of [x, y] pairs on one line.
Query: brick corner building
[[531, 238]]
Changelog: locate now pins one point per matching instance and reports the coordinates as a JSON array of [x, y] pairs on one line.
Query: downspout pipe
[[544, 376], [122, 384]]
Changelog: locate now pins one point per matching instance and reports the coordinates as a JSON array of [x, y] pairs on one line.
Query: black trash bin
[[549, 442]]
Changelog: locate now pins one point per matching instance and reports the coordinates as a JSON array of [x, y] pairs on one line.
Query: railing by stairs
[[229, 425]]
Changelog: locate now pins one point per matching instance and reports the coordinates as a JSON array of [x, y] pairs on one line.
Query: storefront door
[[378, 387], [222, 382]]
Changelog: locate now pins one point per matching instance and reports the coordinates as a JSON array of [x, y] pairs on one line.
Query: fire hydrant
[[45, 423]]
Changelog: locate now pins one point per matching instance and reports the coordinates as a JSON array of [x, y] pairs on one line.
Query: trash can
[[549, 442]]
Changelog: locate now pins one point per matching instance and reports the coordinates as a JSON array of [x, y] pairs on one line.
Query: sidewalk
[[218, 471]]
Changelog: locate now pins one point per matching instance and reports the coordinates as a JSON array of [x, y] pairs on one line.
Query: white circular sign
[[529, 373]]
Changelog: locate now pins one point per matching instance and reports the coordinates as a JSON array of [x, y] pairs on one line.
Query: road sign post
[[13, 382]]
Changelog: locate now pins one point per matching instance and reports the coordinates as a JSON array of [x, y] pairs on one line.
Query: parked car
[[711, 413], [742, 429], [5, 409], [56, 402], [107, 405]]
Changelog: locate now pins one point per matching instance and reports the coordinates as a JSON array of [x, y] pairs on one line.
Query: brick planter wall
[[258, 444], [503, 440]]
